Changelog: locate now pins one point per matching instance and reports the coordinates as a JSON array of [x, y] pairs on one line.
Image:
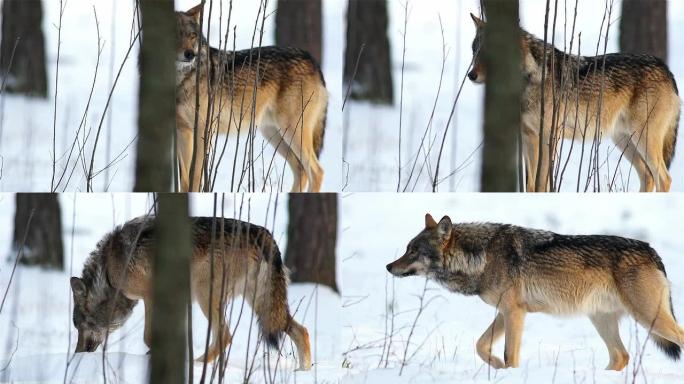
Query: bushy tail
[[319, 132], [273, 312], [672, 350], [671, 141]]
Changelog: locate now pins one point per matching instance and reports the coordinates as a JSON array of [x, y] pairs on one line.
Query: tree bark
[[299, 24], [43, 231], [157, 97], [503, 93], [369, 46], [171, 285], [22, 27], [312, 237], [643, 27]]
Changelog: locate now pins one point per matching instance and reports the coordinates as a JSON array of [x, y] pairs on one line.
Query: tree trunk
[[643, 27], [299, 24], [503, 92], [22, 27], [171, 271], [311, 238], [369, 46], [43, 230], [157, 97]]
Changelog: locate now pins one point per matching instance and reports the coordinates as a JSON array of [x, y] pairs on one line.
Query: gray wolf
[[519, 270], [117, 275], [281, 91], [636, 96]]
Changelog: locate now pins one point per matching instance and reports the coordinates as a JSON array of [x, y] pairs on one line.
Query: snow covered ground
[[375, 229], [439, 34], [26, 125], [35, 324]]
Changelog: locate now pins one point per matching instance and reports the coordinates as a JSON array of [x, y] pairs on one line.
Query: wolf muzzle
[[398, 271]]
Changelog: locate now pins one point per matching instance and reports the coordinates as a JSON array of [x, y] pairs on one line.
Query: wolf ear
[[77, 286], [429, 221], [444, 225], [196, 11], [478, 22]]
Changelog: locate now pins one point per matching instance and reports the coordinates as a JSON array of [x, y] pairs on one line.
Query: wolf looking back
[[519, 270], [246, 262], [631, 98], [280, 91]]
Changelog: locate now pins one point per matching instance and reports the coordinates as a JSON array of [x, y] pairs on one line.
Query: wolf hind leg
[[280, 143], [629, 149], [607, 326], [487, 340], [300, 336]]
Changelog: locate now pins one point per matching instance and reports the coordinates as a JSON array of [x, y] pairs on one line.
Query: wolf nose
[[472, 75], [389, 267], [189, 55]]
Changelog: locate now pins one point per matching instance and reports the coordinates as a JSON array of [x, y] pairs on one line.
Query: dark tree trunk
[[311, 238], [299, 24], [503, 92], [369, 46], [643, 27], [171, 271], [43, 231], [157, 97], [22, 27]]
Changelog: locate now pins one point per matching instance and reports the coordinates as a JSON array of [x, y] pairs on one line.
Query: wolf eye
[[193, 35]]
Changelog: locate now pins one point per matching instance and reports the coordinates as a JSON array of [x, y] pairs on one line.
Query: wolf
[[118, 274], [519, 270], [635, 94], [280, 90]]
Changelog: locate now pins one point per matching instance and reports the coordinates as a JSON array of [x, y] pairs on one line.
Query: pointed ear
[[195, 12], [429, 221], [77, 286], [478, 22], [444, 225]]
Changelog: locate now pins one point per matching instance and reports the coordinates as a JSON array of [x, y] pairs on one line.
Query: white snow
[[26, 125], [441, 28], [36, 331], [442, 347]]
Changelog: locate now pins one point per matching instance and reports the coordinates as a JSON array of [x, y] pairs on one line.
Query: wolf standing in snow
[[520, 270], [635, 95], [117, 275], [281, 91]]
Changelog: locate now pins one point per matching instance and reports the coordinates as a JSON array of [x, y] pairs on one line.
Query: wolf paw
[[496, 363]]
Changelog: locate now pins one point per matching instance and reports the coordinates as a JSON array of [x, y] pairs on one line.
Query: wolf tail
[[671, 141], [319, 130], [672, 350], [272, 310]]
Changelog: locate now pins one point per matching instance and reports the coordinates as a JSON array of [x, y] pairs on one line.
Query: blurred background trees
[[38, 219], [22, 48], [367, 60], [299, 24], [312, 238]]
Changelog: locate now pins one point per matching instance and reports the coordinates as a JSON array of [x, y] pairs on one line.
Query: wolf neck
[[558, 63]]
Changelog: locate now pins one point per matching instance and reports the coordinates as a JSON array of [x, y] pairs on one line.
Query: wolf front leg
[[487, 340], [514, 318], [185, 138]]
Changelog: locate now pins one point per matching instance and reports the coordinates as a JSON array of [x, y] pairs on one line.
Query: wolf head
[[425, 253], [98, 309], [477, 73], [188, 37]]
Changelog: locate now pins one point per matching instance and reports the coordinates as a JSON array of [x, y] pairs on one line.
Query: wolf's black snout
[[189, 55], [389, 267], [472, 75]]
